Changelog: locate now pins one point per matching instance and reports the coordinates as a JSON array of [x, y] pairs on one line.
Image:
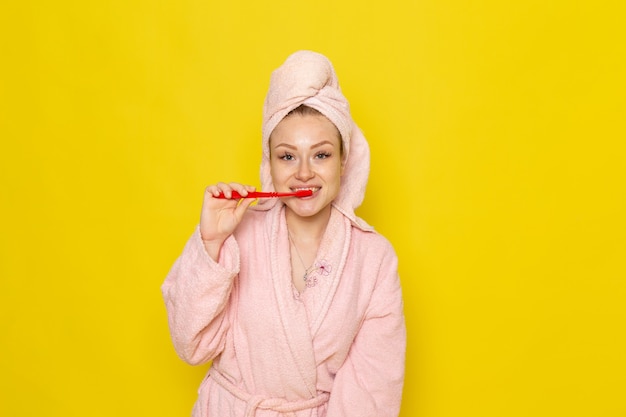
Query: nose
[[304, 171]]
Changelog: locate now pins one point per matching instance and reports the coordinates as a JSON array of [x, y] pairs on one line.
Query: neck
[[307, 228]]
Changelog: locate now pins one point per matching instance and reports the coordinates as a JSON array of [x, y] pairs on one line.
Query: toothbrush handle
[[251, 194], [267, 194]]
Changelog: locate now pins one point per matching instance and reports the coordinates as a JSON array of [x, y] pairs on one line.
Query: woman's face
[[305, 153]]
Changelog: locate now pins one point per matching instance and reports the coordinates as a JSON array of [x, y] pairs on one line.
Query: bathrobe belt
[[254, 402]]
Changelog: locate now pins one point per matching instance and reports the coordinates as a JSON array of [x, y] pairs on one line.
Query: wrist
[[213, 247]]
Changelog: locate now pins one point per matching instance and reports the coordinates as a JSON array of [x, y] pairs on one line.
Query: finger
[[240, 188], [225, 189], [243, 206], [212, 199], [235, 186], [212, 190], [215, 189]]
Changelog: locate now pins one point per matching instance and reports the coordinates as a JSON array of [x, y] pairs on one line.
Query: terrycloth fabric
[[336, 349], [309, 78]]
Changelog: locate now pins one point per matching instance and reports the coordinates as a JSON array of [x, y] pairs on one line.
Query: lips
[[312, 189]]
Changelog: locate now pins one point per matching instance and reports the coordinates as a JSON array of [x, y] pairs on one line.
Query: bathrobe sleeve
[[370, 381], [197, 294]]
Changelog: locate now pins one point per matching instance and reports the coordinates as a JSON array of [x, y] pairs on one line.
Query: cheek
[[339, 169], [335, 175]]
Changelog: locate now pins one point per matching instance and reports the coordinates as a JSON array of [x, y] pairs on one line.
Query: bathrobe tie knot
[[280, 405]]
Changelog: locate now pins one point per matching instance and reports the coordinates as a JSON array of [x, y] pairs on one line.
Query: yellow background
[[497, 131]]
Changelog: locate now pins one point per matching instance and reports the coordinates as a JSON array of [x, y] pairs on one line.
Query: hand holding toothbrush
[[223, 208], [220, 216]]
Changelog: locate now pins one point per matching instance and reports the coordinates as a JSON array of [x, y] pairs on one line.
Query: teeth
[[313, 189]]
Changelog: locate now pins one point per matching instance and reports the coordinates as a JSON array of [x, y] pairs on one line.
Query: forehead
[[309, 128]]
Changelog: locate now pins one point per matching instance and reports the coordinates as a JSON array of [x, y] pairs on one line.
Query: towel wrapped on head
[[308, 78]]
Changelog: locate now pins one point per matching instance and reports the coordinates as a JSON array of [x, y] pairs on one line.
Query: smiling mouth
[[312, 189]]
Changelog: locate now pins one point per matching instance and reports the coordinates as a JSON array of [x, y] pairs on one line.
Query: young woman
[[296, 301]]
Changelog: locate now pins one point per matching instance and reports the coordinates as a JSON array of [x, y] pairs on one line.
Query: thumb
[[241, 208]]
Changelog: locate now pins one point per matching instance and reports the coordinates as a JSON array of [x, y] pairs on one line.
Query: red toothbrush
[[270, 194]]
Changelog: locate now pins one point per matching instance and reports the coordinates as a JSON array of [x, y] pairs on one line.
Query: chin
[[307, 211]]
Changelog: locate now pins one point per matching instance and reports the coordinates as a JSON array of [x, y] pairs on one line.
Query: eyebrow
[[317, 145]]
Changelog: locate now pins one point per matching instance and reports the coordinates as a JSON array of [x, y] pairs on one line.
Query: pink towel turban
[[309, 78]]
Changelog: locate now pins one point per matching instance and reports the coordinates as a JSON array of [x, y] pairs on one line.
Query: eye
[[322, 155], [286, 157]]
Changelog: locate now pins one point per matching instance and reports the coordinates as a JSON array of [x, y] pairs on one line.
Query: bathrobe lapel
[[300, 323], [330, 262]]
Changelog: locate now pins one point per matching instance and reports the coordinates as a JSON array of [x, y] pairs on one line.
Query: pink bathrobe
[[335, 350]]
